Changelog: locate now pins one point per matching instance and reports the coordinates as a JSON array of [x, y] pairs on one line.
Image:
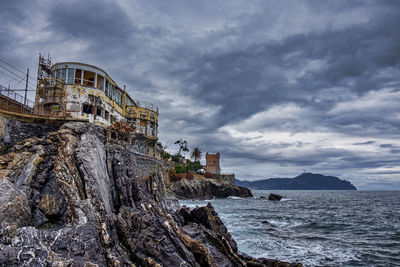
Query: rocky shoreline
[[202, 189], [70, 198]]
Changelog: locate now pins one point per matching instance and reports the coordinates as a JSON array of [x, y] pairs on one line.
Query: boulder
[[274, 197]]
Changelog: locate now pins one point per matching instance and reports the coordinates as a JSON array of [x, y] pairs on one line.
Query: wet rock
[[262, 197], [275, 197]]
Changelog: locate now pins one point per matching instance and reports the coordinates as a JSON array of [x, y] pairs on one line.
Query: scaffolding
[[50, 97]]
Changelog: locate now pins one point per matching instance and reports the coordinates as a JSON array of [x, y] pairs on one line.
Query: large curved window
[[106, 89], [117, 97], [100, 82], [70, 78], [78, 76], [88, 78]]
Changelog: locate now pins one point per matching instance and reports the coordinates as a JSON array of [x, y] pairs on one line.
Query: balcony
[[147, 105]]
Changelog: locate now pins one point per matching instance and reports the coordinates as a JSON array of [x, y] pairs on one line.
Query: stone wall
[[13, 131], [212, 163]]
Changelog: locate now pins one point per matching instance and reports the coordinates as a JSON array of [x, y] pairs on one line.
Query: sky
[[277, 87]]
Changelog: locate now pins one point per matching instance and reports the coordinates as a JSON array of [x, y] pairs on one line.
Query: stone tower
[[212, 163]]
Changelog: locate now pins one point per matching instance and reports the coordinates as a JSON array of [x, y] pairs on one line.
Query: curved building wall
[[82, 91]]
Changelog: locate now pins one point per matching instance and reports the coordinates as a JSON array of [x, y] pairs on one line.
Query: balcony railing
[[144, 104]]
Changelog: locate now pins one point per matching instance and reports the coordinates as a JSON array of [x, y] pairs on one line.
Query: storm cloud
[[277, 87]]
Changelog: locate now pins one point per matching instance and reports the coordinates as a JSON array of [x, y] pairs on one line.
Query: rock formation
[[207, 189], [274, 197], [70, 198]]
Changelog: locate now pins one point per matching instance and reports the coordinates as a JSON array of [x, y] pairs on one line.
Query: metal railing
[[15, 96], [144, 104]]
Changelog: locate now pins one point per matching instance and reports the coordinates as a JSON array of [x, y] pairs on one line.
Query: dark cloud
[[275, 86], [365, 143]]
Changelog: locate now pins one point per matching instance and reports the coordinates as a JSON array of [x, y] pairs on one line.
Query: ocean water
[[316, 228]]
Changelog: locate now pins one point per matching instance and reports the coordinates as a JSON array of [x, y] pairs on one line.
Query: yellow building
[[82, 91]]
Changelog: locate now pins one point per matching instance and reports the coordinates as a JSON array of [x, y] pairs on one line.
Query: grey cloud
[[232, 60], [364, 143]]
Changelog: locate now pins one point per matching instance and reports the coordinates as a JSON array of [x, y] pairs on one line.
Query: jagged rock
[[14, 209], [87, 202], [274, 197], [206, 189]]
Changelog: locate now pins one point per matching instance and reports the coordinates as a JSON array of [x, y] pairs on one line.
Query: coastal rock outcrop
[[274, 197], [207, 189], [70, 198]]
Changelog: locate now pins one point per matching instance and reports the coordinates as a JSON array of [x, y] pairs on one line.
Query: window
[[117, 97], [106, 89], [61, 75], [106, 115], [100, 82], [70, 79], [88, 78], [111, 91], [88, 109], [78, 76], [129, 102], [99, 111]]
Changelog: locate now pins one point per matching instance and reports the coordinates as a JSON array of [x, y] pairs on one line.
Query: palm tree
[[196, 154]]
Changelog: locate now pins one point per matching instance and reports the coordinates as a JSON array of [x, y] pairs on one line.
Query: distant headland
[[305, 181]]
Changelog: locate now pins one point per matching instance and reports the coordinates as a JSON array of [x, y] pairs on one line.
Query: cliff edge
[[68, 197]]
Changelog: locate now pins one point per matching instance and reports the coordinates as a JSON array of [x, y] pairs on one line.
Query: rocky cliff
[[70, 198], [207, 189]]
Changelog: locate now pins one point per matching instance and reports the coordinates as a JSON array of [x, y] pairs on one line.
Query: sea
[[315, 228]]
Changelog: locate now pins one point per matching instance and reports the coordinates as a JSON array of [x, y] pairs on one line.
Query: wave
[[234, 197]]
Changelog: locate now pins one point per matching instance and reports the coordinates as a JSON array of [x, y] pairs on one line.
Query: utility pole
[[26, 86]]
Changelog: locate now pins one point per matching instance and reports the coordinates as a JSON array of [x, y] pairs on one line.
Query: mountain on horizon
[[305, 181]]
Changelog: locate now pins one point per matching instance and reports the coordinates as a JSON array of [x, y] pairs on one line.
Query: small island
[[305, 181]]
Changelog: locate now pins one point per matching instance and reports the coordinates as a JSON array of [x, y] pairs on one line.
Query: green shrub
[[166, 155], [175, 158], [180, 169], [194, 166]]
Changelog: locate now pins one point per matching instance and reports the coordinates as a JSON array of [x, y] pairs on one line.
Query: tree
[[194, 167], [196, 154], [182, 146]]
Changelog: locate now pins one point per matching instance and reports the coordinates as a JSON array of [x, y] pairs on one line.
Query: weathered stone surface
[[14, 209], [87, 202], [13, 131], [206, 189]]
